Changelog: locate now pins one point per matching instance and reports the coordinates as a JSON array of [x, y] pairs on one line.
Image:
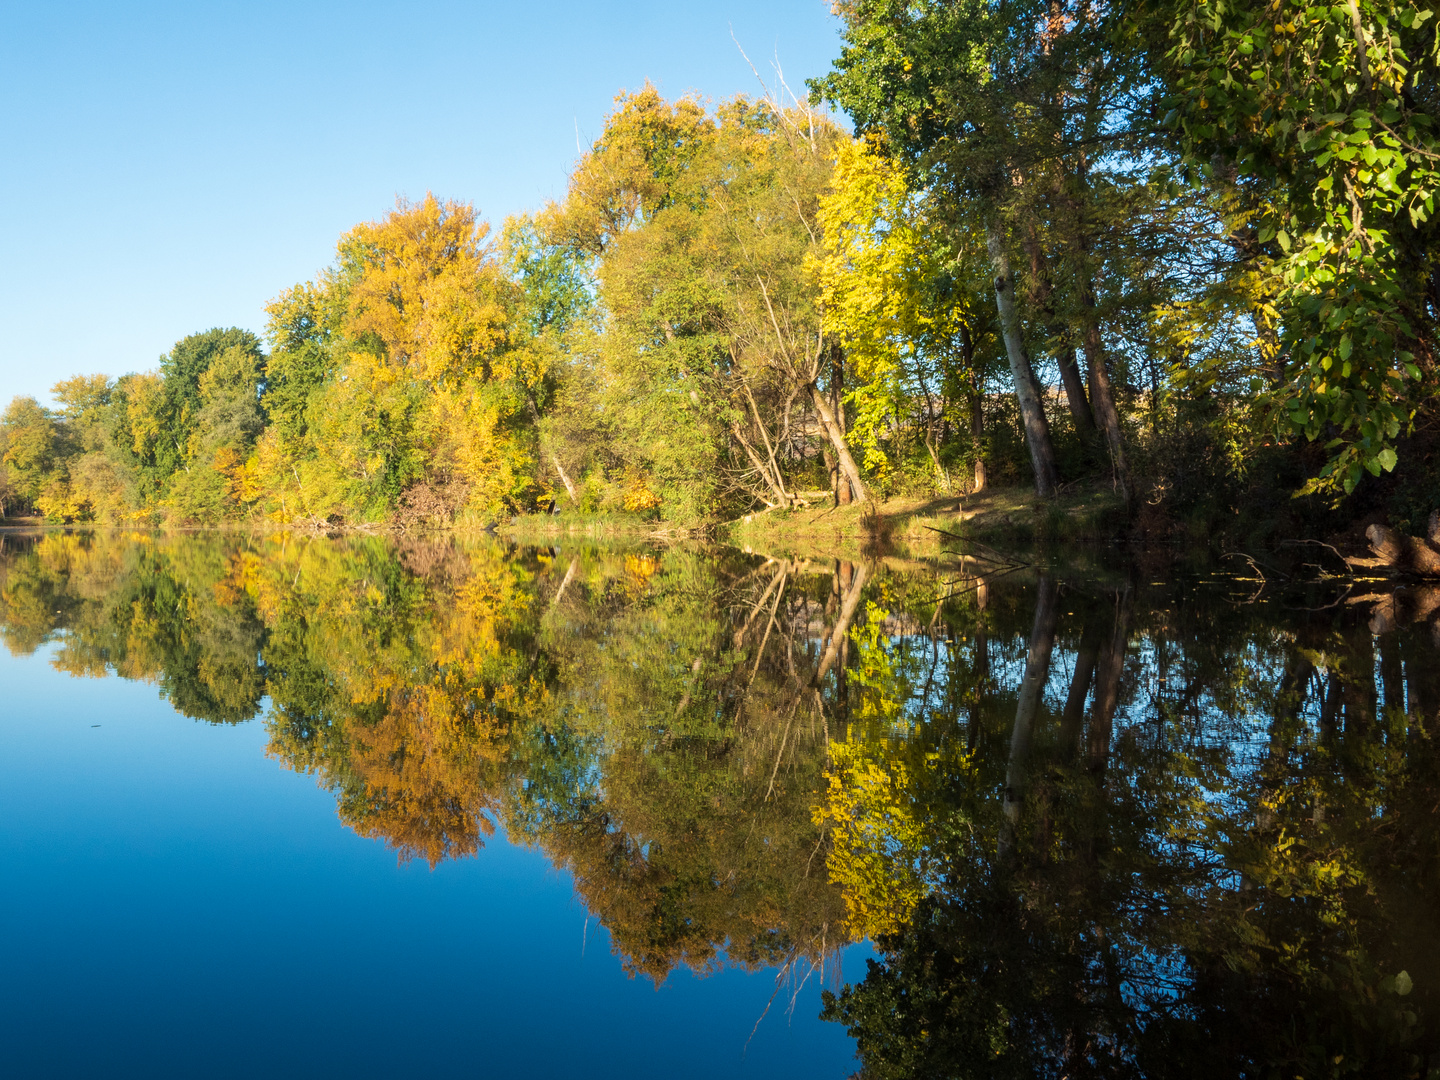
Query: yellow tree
[[893, 291], [396, 384]]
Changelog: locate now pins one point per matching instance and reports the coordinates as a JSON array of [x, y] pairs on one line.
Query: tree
[[31, 458], [180, 371], [700, 226], [902, 301], [1325, 118]]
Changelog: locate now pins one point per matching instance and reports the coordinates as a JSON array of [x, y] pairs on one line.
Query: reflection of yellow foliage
[[875, 836], [877, 806], [431, 679], [639, 569]]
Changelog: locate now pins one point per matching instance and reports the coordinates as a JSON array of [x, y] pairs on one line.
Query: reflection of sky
[[174, 903]]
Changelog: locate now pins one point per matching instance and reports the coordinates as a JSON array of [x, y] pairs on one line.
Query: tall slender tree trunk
[[977, 413], [1027, 390], [1075, 393], [848, 469], [1043, 296], [1103, 397], [977, 436], [843, 494], [832, 470]]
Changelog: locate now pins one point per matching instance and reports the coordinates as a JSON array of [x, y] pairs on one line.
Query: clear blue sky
[[166, 168]]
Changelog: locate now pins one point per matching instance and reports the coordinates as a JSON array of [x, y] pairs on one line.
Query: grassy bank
[[1000, 517]]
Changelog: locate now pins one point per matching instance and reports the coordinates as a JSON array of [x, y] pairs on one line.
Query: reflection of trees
[[159, 611], [1222, 867], [1096, 828], [639, 717]]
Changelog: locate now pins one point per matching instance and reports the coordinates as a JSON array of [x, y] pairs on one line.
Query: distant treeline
[[1185, 251]]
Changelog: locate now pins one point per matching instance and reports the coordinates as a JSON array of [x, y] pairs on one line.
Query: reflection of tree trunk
[[1422, 675], [1032, 689], [1072, 720], [981, 665], [1027, 390], [1360, 686], [1330, 708], [1109, 667], [848, 606], [782, 570], [569, 576], [1294, 685], [1392, 677]]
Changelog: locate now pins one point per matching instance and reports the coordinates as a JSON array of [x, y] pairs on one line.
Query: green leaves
[[1349, 198]]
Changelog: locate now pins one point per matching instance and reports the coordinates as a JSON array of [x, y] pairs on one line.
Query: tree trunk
[[1042, 291], [1103, 398], [843, 494], [569, 487], [1027, 391], [977, 414], [778, 478], [1075, 393], [848, 469], [977, 435], [760, 467]]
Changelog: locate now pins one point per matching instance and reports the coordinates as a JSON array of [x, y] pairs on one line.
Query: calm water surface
[[292, 806]]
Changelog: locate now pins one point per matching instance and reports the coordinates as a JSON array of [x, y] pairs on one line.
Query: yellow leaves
[[637, 493], [426, 288], [81, 393], [144, 401], [630, 172], [231, 465], [875, 837]]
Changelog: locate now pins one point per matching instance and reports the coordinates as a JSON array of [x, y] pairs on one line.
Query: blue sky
[[170, 167]]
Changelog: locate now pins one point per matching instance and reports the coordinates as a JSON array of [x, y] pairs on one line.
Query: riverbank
[[998, 516]]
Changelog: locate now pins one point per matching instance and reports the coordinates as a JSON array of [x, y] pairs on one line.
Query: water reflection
[[1097, 825]]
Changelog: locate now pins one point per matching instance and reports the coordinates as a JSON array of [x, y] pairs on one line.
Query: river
[[285, 805]]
